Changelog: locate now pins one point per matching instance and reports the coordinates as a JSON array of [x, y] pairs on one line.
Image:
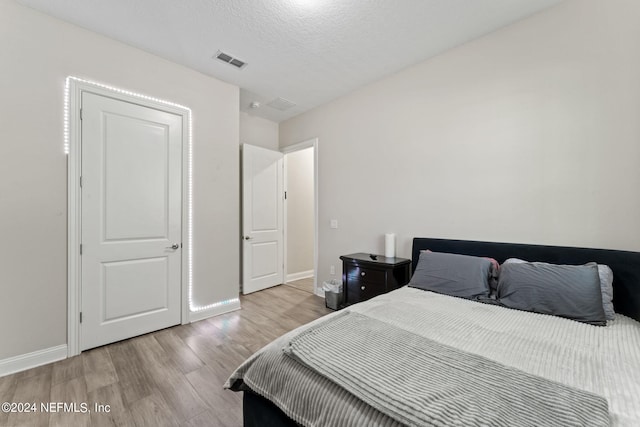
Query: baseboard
[[301, 275], [34, 359], [216, 310]]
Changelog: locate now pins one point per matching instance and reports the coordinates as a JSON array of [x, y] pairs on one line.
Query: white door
[[131, 220], [262, 218]]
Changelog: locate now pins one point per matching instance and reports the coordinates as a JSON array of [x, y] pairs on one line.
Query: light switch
[[334, 223]]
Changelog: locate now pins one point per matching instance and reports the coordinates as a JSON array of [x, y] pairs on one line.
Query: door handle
[[248, 238], [174, 246]]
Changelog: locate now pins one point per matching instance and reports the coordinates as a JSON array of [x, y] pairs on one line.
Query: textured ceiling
[[305, 51]]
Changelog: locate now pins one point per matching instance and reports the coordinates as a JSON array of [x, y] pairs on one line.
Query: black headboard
[[625, 265]]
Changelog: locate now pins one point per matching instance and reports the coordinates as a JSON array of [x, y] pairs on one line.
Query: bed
[[556, 367]]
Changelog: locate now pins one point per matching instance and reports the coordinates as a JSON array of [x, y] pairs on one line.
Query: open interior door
[[262, 218]]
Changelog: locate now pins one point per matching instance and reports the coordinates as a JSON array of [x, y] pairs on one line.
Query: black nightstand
[[364, 278]]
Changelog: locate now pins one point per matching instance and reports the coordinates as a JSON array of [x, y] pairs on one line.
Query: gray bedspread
[[604, 361], [420, 382]]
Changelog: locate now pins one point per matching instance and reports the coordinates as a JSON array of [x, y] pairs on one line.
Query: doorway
[[268, 223], [300, 216], [128, 164]]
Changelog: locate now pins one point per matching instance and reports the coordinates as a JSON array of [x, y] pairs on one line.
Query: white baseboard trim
[[301, 275], [194, 316], [34, 359]]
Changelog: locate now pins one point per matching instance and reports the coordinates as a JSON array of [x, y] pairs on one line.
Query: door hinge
[[80, 248], [80, 317], [285, 195], [81, 114], [80, 181]]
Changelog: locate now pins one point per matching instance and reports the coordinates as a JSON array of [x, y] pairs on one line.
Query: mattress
[[601, 360]]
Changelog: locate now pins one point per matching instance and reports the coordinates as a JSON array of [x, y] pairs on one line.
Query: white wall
[[38, 53], [300, 216], [530, 134], [258, 131]]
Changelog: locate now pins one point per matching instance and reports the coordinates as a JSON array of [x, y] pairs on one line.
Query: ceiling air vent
[[224, 57], [281, 104]]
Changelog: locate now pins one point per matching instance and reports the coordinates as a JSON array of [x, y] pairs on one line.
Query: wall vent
[[225, 57], [281, 104]]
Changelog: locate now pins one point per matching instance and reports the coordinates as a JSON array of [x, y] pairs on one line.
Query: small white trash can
[[332, 293]]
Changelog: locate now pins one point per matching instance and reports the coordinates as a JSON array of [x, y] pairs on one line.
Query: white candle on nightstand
[[390, 245]]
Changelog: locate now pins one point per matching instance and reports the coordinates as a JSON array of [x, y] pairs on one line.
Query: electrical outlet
[[332, 270]]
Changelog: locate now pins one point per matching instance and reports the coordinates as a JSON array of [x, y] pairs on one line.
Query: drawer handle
[[362, 273], [362, 288]]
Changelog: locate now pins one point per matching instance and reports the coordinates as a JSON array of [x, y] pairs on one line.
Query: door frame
[[73, 135], [309, 143]]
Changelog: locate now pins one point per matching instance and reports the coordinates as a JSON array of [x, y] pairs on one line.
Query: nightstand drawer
[[367, 275], [361, 291]]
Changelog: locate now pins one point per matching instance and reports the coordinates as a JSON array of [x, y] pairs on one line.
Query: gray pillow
[[570, 291], [606, 286], [452, 274]]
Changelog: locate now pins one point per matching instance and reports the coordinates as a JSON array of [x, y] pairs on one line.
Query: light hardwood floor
[[302, 284], [171, 377]]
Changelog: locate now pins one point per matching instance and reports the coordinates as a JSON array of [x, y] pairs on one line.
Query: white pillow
[[606, 287]]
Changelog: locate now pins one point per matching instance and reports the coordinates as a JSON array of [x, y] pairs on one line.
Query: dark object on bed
[[625, 264], [570, 291], [456, 275], [259, 411]]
